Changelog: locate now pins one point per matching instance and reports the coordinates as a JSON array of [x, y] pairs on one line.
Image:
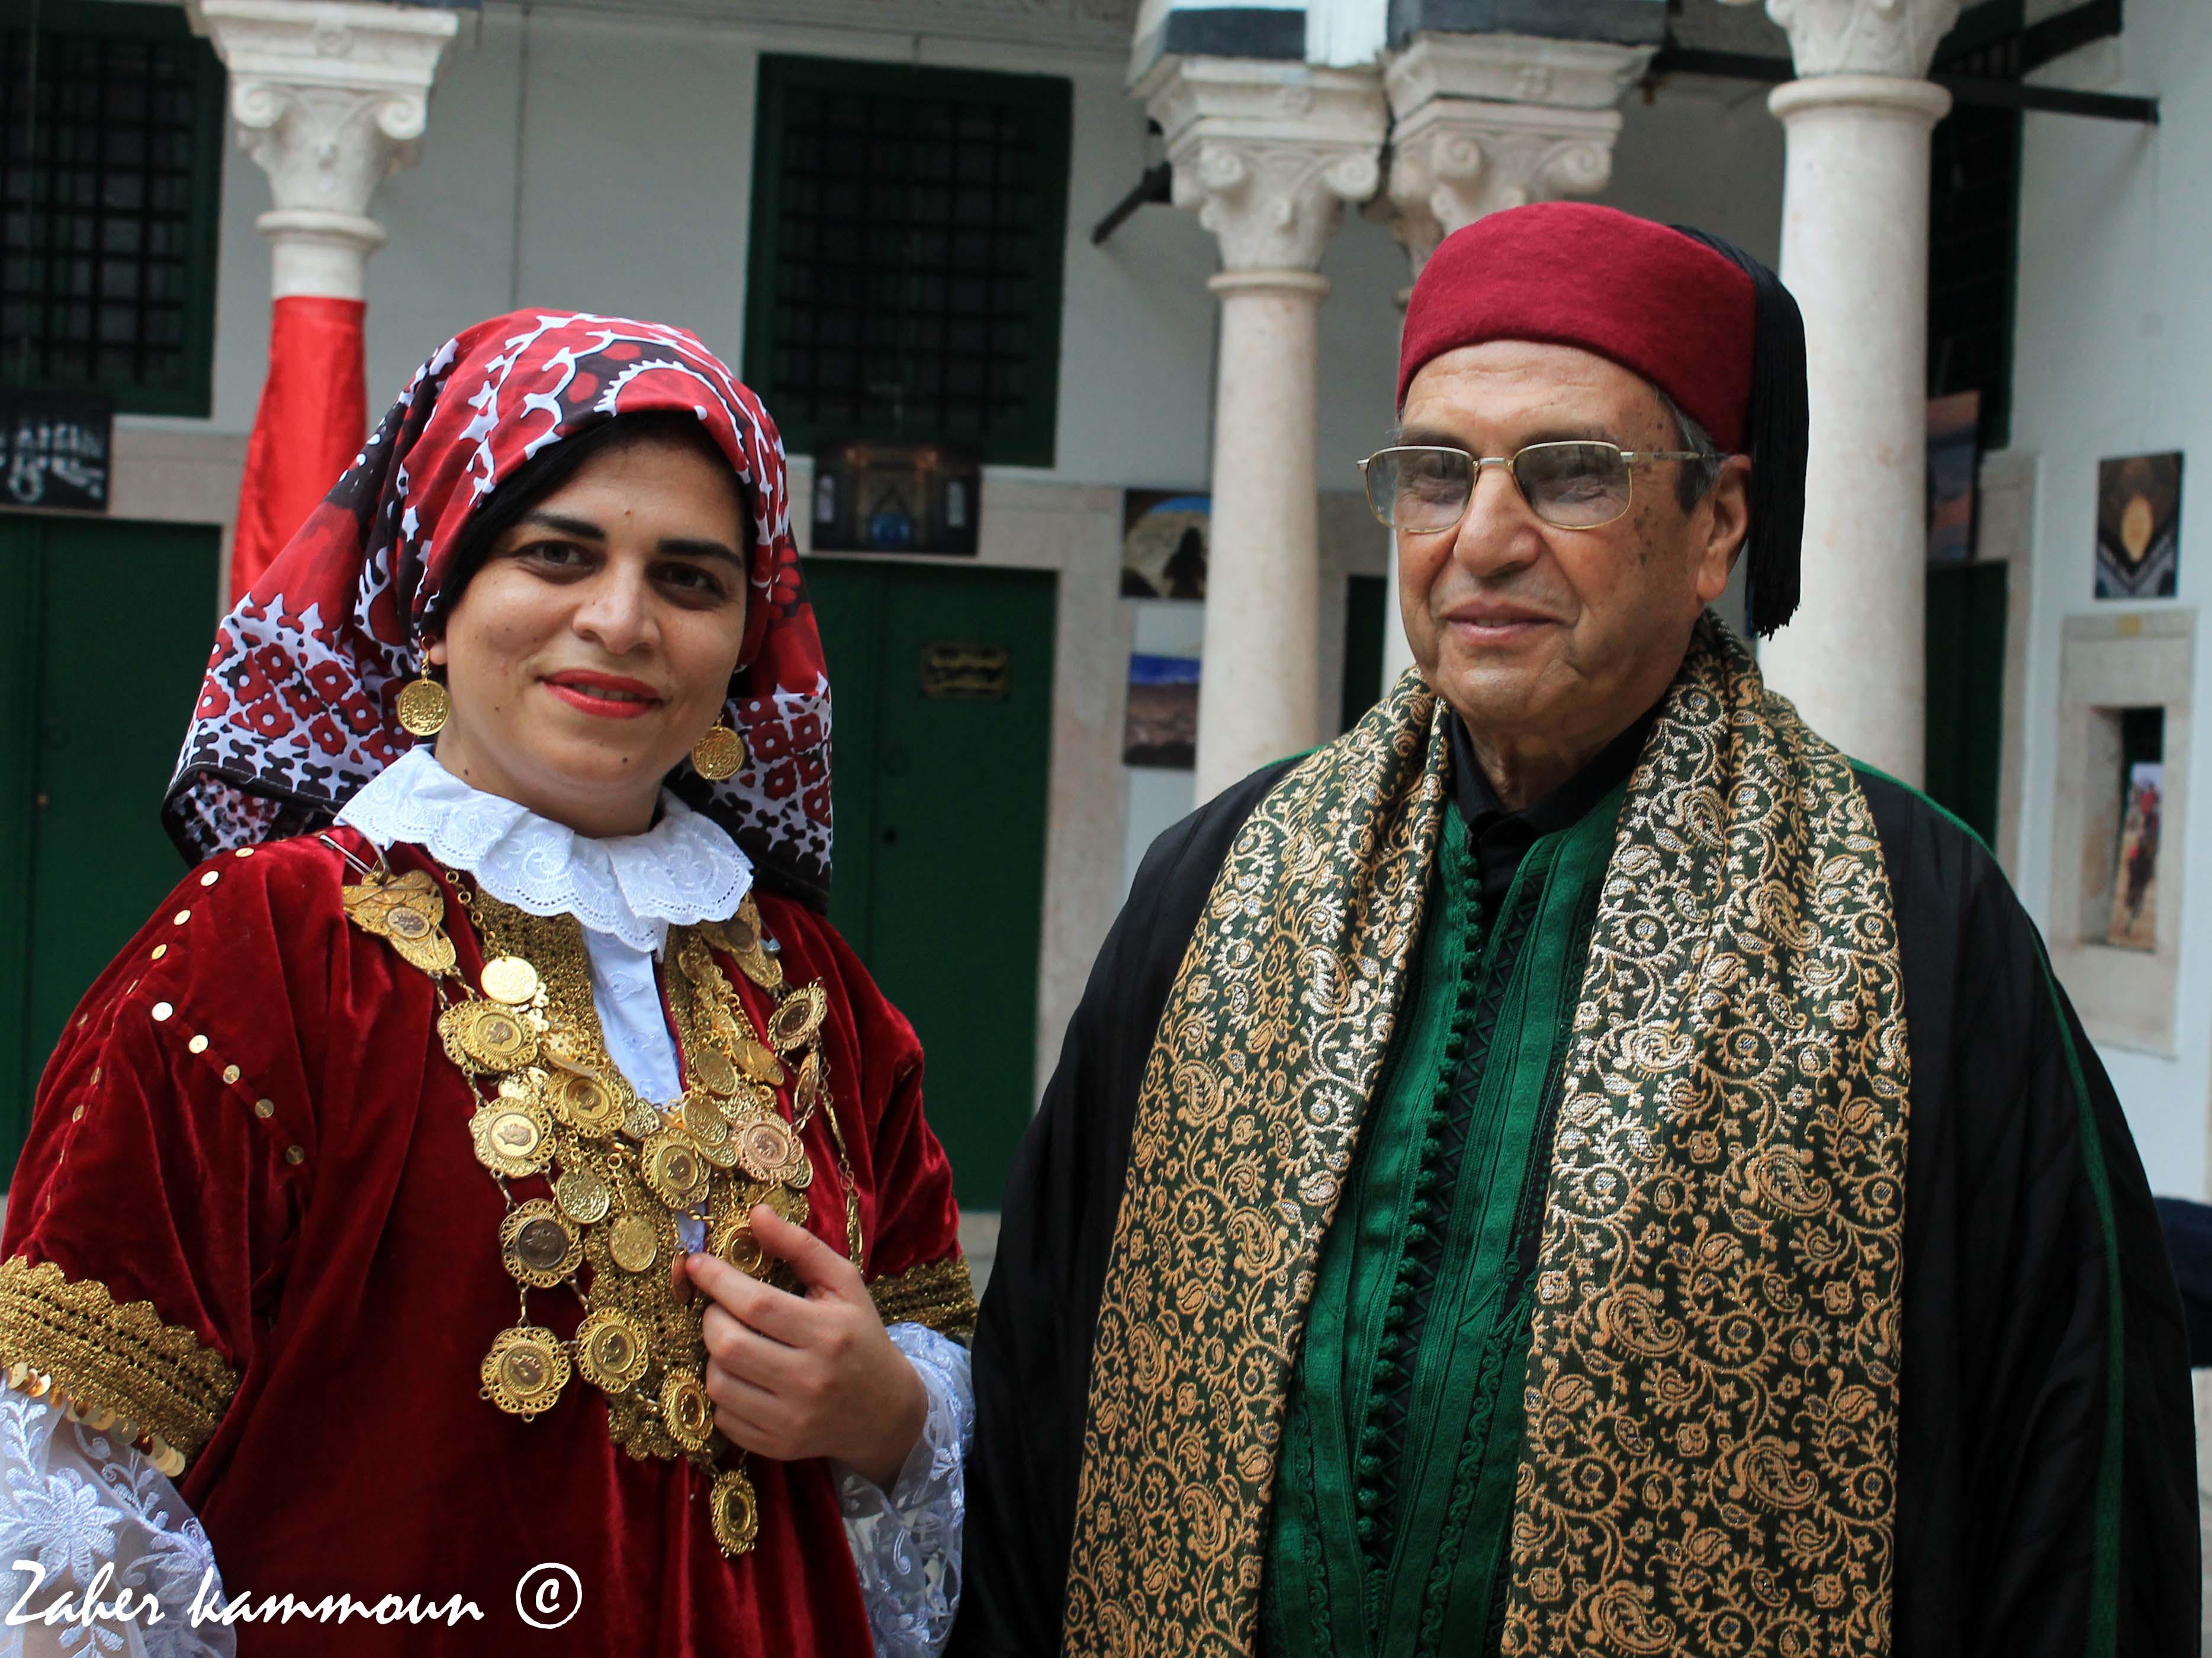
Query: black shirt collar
[[1500, 839]]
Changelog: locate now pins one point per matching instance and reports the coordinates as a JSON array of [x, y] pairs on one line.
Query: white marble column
[[331, 97], [1481, 121], [1855, 252], [1268, 153]]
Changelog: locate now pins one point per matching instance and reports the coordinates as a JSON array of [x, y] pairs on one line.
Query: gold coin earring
[[719, 754], [424, 706]]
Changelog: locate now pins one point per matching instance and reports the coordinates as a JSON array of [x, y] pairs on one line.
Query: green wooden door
[[1966, 691], [104, 633], [1366, 600], [942, 680]]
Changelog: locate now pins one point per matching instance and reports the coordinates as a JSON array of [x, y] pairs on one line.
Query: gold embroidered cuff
[[940, 1295], [117, 1366]]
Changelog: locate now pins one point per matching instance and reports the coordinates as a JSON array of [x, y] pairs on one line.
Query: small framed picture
[[1161, 729], [896, 498], [2139, 526], [1954, 456], [1164, 538], [2134, 921]]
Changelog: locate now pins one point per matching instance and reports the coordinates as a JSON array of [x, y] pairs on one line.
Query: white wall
[[634, 141], [2113, 357]]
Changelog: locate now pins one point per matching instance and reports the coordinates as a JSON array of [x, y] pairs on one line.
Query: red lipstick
[[606, 695]]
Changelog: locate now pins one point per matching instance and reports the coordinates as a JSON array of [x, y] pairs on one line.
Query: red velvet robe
[[338, 1246]]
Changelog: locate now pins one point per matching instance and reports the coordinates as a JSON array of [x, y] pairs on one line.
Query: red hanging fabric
[[314, 416]]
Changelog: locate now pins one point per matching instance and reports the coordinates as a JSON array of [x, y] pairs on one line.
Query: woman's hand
[[796, 1376]]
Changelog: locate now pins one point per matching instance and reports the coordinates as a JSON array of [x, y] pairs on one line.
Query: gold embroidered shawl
[[1710, 1458]]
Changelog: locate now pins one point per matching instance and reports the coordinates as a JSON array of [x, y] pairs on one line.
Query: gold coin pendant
[[511, 980], [674, 1169], [758, 1064], [585, 1102], [720, 754], [525, 1369], [686, 1411], [512, 1137], [493, 1037], [583, 1195], [738, 1246], [704, 1122], [611, 1351], [768, 1149], [712, 1070], [423, 706], [735, 1512], [792, 1205], [797, 1017], [742, 931], [808, 1095], [631, 1241], [537, 1246], [762, 969]]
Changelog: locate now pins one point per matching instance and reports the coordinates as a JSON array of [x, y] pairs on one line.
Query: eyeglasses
[[1579, 485]]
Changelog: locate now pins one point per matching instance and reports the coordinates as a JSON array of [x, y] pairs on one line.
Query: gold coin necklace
[[622, 1172]]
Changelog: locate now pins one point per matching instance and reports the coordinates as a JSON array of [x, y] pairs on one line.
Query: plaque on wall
[[896, 498], [967, 674], [55, 448]]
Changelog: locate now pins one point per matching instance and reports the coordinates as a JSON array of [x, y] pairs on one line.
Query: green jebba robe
[[1150, 1357], [1402, 1433]]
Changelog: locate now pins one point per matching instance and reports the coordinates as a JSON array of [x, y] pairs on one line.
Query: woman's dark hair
[[552, 467]]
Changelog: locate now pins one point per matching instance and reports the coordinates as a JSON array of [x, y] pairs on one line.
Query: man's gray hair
[[1699, 475]]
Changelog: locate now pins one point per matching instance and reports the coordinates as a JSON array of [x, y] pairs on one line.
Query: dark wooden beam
[[1966, 89]]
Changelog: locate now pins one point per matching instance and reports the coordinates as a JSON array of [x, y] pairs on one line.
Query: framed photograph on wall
[[1165, 543], [1161, 728], [1954, 458], [2139, 526], [896, 498], [2134, 922]]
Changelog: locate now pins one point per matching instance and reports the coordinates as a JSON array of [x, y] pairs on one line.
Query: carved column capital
[[1462, 160], [1862, 37], [330, 97], [1491, 121], [1268, 154]]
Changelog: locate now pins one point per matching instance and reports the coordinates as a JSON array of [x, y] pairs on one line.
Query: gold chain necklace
[[552, 1103]]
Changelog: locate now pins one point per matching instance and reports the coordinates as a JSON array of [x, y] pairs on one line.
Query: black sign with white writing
[[54, 449]]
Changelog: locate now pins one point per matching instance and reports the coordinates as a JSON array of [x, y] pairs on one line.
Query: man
[[1576, 1166]]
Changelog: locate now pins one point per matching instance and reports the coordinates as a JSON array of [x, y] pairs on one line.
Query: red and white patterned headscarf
[[300, 706]]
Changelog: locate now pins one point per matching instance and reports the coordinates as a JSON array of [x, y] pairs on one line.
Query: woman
[[489, 1179]]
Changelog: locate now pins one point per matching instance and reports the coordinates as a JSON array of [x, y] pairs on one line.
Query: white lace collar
[[683, 870]]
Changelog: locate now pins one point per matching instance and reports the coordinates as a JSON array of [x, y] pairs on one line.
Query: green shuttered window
[[907, 239], [112, 121]]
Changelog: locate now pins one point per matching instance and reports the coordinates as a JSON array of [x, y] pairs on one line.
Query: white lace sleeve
[[907, 1542], [101, 1523]]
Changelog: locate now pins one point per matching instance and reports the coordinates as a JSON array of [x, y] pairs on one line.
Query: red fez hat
[[1701, 320], [1662, 305]]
